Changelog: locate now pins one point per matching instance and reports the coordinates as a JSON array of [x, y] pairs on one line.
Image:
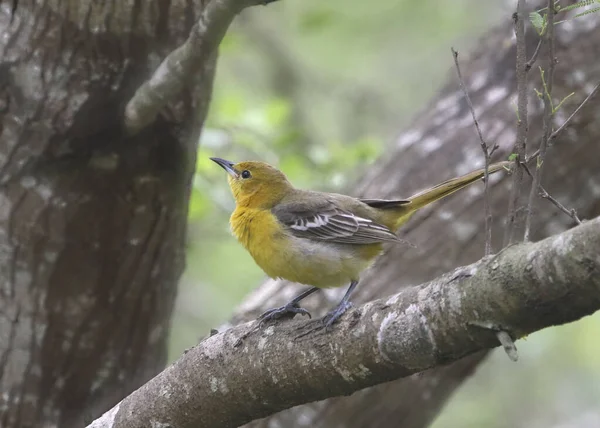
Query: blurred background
[[319, 89]]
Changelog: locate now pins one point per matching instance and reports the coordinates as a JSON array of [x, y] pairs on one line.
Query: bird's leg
[[292, 308], [342, 307]]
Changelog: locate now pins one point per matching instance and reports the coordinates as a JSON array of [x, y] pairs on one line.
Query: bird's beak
[[226, 165]]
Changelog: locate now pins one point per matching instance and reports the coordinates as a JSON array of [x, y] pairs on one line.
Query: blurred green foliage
[[318, 88]]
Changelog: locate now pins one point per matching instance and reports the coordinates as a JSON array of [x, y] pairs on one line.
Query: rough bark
[[442, 143], [223, 383], [92, 221]]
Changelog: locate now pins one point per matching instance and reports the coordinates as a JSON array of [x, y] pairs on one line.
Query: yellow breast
[[282, 255], [261, 234]]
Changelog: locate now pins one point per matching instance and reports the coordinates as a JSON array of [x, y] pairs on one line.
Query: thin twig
[[502, 335], [543, 193], [533, 58], [567, 122], [179, 66], [547, 117], [486, 155], [508, 344], [570, 212], [520, 147]]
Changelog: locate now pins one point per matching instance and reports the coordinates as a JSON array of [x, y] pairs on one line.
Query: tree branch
[[568, 121], [218, 385], [487, 154], [180, 65], [520, 147], [549, 110]]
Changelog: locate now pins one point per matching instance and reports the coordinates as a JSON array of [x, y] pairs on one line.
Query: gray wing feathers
[[332, 224]]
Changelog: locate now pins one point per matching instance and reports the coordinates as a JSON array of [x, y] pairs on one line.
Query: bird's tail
[[432, 194]]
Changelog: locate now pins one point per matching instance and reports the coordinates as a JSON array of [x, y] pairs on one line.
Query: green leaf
[[513, 157], [538, 21]]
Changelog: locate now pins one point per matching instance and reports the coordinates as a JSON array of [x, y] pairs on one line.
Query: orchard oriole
[[317, 238]]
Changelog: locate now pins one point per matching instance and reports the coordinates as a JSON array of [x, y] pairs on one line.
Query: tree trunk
[[92, 221], [442, 143]]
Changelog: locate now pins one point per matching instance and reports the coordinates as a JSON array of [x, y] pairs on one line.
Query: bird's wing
[[329, 223]]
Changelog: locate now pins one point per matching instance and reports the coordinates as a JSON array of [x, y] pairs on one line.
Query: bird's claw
[[327, 321], [286, 311], [335, 314]]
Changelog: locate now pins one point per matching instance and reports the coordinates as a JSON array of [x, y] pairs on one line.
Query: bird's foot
[[331, 317], [326, 322], [286, 311]]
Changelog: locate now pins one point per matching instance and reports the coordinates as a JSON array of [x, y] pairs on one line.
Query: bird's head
[[255, 184]]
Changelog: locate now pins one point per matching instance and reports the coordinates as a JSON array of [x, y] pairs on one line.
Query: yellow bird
[[317, 238]]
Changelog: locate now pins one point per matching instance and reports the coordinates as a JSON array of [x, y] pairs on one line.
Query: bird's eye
[[246, 174]]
